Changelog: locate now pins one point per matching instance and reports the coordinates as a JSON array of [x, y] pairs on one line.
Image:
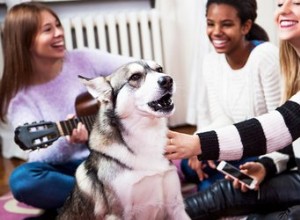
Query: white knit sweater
[[237, 95]]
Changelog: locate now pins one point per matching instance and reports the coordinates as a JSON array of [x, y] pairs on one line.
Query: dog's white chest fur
[[143, 194], [146, 195], [151, 193]]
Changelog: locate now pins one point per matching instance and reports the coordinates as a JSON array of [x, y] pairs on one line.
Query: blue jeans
[[43, 185], [213, 174]]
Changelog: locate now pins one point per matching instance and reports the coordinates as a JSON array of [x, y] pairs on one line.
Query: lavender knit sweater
[[54, 100]]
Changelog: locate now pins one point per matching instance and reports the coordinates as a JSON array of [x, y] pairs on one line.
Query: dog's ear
[[98, 87]]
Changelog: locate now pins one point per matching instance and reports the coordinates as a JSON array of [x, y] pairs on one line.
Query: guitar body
[[43, 134], [86, 105]]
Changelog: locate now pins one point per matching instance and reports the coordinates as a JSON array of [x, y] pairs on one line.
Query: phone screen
[[237, 173]]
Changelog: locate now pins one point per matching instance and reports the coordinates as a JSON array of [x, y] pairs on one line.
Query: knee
[[206, 203], [21, 181]]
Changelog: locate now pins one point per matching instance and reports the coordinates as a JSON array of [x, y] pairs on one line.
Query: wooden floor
[[7, 165]]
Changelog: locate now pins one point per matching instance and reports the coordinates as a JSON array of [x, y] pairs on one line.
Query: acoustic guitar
[[42, 134]]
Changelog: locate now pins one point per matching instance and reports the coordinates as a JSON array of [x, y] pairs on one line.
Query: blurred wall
[[265, 18]]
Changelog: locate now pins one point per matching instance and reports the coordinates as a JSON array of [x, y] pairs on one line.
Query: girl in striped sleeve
[[278, 195]]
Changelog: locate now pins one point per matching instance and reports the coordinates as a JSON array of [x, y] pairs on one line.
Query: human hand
[[254, 169], [212, 164], [198, 166], [180, 145], [79, 134]]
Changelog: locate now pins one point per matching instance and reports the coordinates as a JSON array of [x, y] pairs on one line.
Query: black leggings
[[278, 198]]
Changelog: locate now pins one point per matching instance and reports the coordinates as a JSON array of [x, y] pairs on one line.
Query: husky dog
[[126, 175]]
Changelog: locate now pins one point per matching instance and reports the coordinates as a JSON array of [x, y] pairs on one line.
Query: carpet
[[11, 209]]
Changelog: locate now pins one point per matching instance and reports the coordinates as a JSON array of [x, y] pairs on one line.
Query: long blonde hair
[[290, 68]]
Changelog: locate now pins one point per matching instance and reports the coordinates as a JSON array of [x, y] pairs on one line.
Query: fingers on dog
[[170, 134]]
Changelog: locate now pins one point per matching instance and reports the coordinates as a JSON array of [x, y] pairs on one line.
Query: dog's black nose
[[165, 82]]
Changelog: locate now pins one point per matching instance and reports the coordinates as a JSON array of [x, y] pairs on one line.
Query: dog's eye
[[159, 69], [135, 77]]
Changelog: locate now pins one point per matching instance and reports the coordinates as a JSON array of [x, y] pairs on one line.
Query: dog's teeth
[[163, 104], [167, 102]]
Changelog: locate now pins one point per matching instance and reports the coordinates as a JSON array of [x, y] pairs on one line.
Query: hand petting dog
[[180, 146]]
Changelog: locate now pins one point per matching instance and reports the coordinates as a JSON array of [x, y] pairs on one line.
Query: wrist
[[196, 145], [263, 172], [269, 167]]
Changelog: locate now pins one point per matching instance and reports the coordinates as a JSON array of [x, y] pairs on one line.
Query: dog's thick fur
[[126, 176]]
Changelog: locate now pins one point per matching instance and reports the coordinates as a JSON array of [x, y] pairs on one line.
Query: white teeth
[[287, 23], [219, 42], [59, 44]]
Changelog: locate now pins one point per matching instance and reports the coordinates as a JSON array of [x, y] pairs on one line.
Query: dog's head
[[137, 87]]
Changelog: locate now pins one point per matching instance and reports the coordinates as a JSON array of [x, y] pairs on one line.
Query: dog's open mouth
[[165, 103]]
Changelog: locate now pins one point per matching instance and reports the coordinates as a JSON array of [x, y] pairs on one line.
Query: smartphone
[[235, 173]]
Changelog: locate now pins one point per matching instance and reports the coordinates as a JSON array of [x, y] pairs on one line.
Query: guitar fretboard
[[68, 125]]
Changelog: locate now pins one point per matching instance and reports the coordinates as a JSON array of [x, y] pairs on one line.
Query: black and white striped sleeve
[[278, 161], [263, 134]]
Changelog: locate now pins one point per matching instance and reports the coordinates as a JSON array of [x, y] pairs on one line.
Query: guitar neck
[[66, 127], [42, 134]]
